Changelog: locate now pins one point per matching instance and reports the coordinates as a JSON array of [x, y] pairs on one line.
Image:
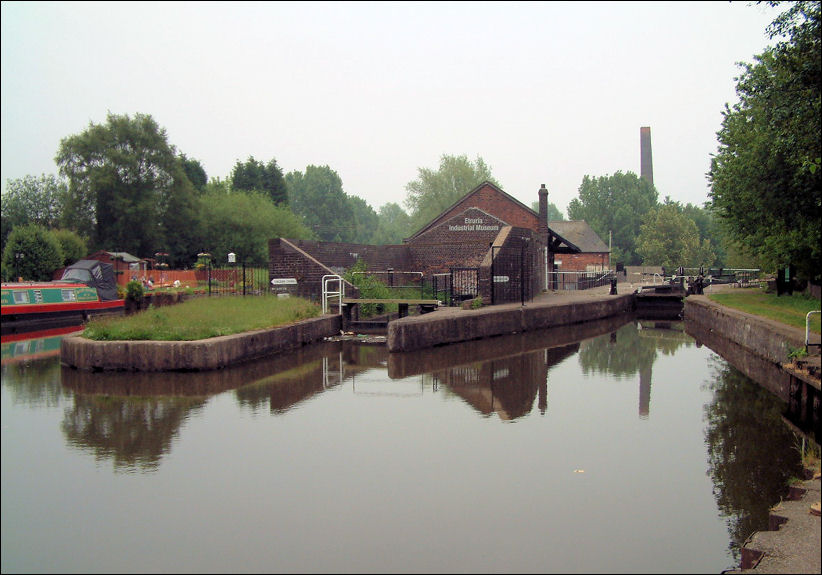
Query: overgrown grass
[[201, 318], [788, 309]]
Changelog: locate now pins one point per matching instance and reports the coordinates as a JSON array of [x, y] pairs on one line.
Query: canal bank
[[762, 349]]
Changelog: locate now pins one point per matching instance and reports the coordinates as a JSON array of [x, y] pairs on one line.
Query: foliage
[[40, 253], [393, 225], [318, 198], [434, 191], [788, 309], [201, 318], [615, 204], [554, 213], [252, 175], [366, 220], [195, 172], [765, 181], [243, 222], [72, 246], [124, 178], [370, 287], [134, 292], [669, 238], [32, 200]]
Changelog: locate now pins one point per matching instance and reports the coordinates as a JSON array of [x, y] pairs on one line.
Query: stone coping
[[199, 355]]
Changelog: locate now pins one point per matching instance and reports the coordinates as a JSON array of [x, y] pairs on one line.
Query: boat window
[[77, 275], [21, 297], [69, 295]]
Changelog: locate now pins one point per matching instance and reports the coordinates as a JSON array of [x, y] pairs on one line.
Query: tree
[[554, 214], [32, 200], [243, 222], [318, 197], [194, 172], [366, 220], [765, 176], [434, 191], [122, 177], [669, 238], [72, 246], [615, 205], [252, 175], [32, 252], [394, 225]]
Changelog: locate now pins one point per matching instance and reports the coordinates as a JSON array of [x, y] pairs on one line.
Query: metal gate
[[464, 284], [511, 275]]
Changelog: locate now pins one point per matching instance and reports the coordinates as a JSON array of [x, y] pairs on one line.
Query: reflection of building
[[508, 386]]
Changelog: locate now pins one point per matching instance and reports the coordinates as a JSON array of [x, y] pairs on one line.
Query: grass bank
[[202, 318], [788, 309]]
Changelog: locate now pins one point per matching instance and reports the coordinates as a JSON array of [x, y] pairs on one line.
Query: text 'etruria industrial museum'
[[487, 234]]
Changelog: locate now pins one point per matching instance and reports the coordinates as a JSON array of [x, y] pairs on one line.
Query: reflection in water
[[633, 349], [134, 432], [747, 455], [35, 383], [389, 460]]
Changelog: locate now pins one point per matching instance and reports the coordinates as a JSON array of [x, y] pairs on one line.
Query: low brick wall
[[451, 326], [207, 354], [769, 340]]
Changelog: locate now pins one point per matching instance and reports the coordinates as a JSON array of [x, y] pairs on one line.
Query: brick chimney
[[646, 162], [542, 226]]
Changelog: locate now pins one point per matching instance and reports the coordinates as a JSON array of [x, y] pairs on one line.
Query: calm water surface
[[618, 447]]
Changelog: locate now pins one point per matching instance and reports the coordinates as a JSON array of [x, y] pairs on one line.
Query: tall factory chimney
[[646, 161]]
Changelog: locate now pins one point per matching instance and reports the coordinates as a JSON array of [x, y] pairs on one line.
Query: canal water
[[619, 446]]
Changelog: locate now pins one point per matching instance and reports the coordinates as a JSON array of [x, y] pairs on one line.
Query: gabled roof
[[441, 217], [580, 234]]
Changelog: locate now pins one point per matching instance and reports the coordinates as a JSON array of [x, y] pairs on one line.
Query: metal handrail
[[329, 294]]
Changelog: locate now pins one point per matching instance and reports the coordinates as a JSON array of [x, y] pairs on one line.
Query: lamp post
[[18, 257]]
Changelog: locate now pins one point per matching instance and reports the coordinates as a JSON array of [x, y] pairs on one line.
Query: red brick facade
[[460, 237]]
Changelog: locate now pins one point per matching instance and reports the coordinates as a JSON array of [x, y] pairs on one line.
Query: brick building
[[484, 229]]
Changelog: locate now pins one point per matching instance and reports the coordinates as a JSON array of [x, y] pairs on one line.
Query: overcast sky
[[544, 93]]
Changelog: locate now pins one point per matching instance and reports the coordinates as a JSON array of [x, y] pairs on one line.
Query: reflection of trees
[[35, 382], [622, 354], [632, 349], [134, 432], [750, 451]]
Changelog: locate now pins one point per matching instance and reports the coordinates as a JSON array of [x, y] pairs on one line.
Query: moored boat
[[87, 288]]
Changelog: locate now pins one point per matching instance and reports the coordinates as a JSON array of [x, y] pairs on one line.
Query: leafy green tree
[[252, 175], [765, 176], [366, 220], [72, 246], [615, 204], [435, 190], [32, 252], [33, 200], [243, 222], [122, 177], [394, 225], [669, 238], [554, 214], [318, 197], [195, 173]]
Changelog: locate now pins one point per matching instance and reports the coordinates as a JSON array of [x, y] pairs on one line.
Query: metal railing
[[570, 281]]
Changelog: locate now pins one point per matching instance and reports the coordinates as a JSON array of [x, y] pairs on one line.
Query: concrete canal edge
[[200, 355], [454, 325], [770, 340], [792, 542]]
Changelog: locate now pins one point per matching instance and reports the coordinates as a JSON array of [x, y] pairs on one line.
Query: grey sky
[[543, 92]]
